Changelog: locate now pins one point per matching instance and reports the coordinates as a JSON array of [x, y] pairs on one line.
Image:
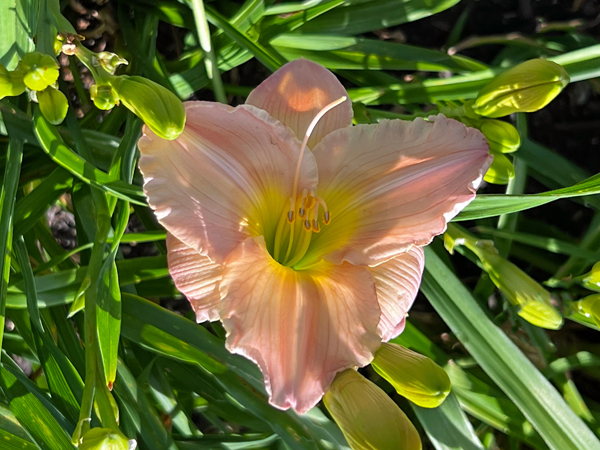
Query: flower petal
[[297, 92], [197, 277], [300, 327], [228, 176], [397, 282], [393, 185]]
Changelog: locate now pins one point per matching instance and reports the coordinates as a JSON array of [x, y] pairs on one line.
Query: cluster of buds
[[534, 303], [158, 107], [37, 72], [368, 417], [527, 87]]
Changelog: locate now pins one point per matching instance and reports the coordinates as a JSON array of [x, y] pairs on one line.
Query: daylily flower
[[304, 240]]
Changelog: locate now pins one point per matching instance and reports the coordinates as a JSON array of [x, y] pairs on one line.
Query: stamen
[[290, 215], [327, 218], [302, 211], [315, 223], [307, 226]]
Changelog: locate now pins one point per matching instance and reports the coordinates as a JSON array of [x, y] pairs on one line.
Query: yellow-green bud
[[39, 70], [110, 61], [414, 376], [591, 280], [519, 288], [158, 107], [11, 83], [590, 306], [501, 170], [106, 439], [53, 105], [369, 419], [527, 87], [502, 136], [104, 96]]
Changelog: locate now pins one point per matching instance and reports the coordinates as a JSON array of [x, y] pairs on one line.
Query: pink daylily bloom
[[309, 253]]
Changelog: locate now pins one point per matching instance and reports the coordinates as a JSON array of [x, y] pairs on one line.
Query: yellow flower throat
[[301, 218]]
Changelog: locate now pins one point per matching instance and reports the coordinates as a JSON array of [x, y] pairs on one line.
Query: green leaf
[[340, 52], [7, 203], [34, 417], [17, 29], [495, 205], [448, 427], [108, 317], [503, 361], [357, 16], [54, 145]]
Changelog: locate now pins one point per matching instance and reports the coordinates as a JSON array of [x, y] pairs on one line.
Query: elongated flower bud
[[369, 419], [502, 136], [158, 107], [501, 170], [414, 376], [11, 83], [106, 439], [53, 105], [527, 87], [39, 70], [590, 306], [520, 289], [591, 280]]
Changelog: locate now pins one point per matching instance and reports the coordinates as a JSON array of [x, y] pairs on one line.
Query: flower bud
[[11, 83], [106, 439], [590, 306], [53, 105], [520, 289], [502, 136], [368, 418], [527, 87], [110, 61], [158, 107], [104, 96], [591, 280], [414, 376], [39, 70], [500, 171]]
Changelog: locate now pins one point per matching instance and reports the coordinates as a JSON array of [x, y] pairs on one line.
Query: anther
[[315, 226], [326, 218], [290, 217], [307, 225], [301, 212]]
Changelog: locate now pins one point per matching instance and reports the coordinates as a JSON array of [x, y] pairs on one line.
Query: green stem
[[210, 58]]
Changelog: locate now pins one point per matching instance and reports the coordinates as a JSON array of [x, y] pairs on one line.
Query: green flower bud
[[591, 280], [501, 170], [106, 439], [158, 107], [590, 306], [527, 87], [369, 419], [11, 83], [520, 289], [104, 96], [39, 70], [53, 105], [502, 136], [110, 61], [414, 376]]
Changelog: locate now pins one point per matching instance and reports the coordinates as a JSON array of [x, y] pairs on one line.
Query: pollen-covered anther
[[307, 225], [316, 228], [327, 218], [291, 216]]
